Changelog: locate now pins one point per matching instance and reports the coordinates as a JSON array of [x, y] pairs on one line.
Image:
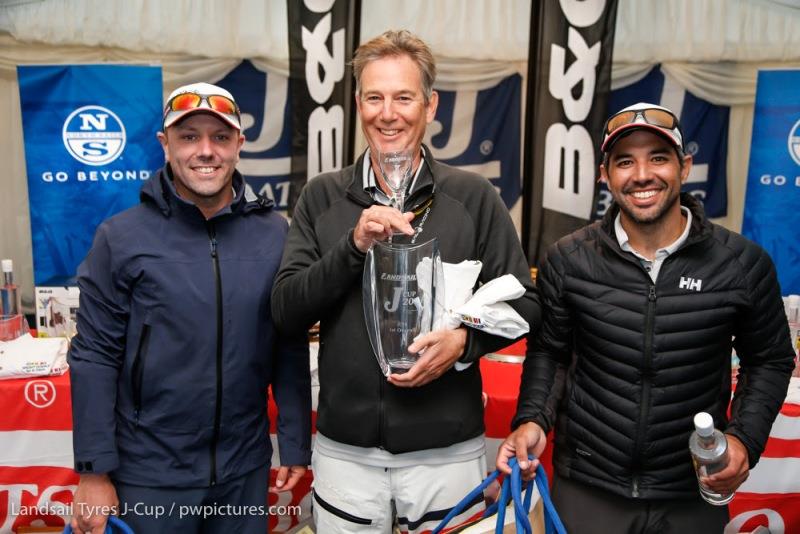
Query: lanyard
[[418, 228]]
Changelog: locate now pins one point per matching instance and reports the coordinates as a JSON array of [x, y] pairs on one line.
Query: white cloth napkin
[[454, 288], [486, 310], [29, 356]]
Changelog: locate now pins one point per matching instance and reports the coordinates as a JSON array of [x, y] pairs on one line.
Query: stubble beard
[[650, 218]]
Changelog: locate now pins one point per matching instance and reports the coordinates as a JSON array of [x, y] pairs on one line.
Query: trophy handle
[[370, 304]]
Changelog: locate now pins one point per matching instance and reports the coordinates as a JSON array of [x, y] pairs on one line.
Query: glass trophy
[[400, 284], [396, 167]]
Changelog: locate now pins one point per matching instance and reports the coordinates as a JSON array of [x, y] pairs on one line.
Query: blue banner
[[705, 130], [480, 131], [265, 159], [90, 141], [772, 204]]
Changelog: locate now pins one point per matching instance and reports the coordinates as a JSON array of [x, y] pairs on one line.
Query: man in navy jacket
[[176, 347]]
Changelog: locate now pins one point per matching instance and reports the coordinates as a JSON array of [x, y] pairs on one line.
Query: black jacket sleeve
[[549, 349], [763, 344], [308, 284]]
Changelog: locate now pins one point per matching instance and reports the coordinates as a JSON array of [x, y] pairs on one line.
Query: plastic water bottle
[[709, 450], [9, 292]]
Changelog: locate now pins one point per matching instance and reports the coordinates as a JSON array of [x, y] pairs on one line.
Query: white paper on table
[[29, 356]]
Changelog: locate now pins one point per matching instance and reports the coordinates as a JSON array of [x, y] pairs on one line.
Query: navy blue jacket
[[176, 346]]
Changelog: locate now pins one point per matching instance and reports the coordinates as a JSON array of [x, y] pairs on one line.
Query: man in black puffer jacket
[[641, 311]]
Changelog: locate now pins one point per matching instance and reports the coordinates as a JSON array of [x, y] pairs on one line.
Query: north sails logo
[[794, 142], [690, 283], [94, 135]]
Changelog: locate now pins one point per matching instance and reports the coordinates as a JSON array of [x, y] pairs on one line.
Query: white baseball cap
[[642, 116], [201, 97]]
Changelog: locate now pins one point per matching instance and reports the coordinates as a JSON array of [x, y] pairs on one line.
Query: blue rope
[[511, 490], [463, 503], [520, 513], [551, 520]]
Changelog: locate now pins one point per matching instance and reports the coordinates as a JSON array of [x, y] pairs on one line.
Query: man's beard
[[652, 217]]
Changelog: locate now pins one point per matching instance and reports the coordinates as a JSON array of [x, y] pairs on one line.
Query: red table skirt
[[36, 475]]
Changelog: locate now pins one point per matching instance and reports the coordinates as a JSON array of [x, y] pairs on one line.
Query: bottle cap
[[704, 424], [8, 266]]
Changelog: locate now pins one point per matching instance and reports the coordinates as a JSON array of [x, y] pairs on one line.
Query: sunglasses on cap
[[187, 101], [653, 116]]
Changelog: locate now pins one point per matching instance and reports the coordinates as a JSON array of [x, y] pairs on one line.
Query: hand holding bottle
[[735, 473], [720, 461]]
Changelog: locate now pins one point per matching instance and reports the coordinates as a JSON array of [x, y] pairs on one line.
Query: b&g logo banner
[[322, 34]]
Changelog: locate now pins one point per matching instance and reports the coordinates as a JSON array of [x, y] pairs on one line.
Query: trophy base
[[401, 366]]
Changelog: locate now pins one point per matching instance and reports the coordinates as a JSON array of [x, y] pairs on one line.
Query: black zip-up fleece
[[320, 279], [645, 357]]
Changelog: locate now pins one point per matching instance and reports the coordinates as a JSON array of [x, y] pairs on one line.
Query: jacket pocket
[[338, 512], [137, 370]]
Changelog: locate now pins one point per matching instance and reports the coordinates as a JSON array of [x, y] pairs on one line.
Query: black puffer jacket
[[643, 358]]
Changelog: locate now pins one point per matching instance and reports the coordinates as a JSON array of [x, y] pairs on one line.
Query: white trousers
[[352, 498]]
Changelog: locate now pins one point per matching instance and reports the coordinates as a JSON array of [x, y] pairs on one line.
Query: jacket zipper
[[646, 384], [137, 372], [381, 413], [212, 236]]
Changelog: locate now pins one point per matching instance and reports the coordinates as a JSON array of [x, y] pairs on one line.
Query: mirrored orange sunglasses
[[653, 116], [187, 101]]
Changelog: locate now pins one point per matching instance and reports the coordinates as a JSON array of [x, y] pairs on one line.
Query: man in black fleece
[[409, 447]]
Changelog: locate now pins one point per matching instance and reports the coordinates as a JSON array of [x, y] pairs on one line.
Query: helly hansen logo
[[690, 283]]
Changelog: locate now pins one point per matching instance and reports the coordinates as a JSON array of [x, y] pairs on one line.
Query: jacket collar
[[160, 191], [423, 191]]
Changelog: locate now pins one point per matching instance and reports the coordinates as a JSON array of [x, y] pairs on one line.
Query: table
[[771, 494], [36, 462], [36, 475]]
